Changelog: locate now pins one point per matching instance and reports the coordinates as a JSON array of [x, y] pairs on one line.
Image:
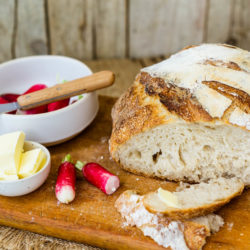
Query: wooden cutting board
[[92, 218]]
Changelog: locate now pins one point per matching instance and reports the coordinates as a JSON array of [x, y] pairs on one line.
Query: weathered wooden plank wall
[[241, 23], [7, 26], [30, 33], [110, 28], [70, 28], [219, 21], [163, 27], [89, 29]]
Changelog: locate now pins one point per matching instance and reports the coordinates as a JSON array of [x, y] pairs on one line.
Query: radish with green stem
[[65, 184], [99, 177]]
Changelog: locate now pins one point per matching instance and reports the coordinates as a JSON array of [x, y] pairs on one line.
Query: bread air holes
[[208, 127], [155, 157], [219, 157], [228, 175], [159, 172], [136, 154], [207, 148]]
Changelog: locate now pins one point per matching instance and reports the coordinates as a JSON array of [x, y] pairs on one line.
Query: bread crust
[[130, 116], [180, 214]]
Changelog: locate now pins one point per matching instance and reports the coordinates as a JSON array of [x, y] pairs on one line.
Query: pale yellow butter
[[11, 147], [31, 162], [8, 177], [168, 198]]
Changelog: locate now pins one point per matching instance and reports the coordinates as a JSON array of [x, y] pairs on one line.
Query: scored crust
[[130, 116], [154, 100]]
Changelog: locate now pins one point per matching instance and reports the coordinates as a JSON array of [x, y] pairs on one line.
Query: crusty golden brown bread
[[188, 117]]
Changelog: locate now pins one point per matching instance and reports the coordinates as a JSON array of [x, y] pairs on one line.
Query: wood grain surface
[[110, 29], [29, 43], [91, 218], [7, 26], [90, 29], [159, 26], [222, 31], [71, 36], [241, 20]]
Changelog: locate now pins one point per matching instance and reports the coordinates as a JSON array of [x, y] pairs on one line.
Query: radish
[[37, 110], [35, 88], [10, 97], [58, 105], [65, 184], [99, 177], [2, 100]]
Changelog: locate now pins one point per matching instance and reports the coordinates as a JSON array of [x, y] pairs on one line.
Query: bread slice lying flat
[[179, 235], [196, 200], [187, 118]]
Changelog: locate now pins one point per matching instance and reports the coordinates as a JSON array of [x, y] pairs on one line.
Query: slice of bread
[[179, 235], [196, 200]]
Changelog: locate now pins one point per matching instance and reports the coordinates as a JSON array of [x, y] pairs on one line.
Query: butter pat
[[11, 147], [6, 177], [31, 162], [168, 198]]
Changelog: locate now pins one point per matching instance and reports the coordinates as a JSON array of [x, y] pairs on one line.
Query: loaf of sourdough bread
[[187, 118]]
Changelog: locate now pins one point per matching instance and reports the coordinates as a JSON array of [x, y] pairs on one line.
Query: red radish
[[58, 105], [37, 110], [10, 97], [34, 88], [65, 184], [99, 177], [2, 100]]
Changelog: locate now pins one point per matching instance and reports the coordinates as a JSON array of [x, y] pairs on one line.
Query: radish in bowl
[[49, 128]]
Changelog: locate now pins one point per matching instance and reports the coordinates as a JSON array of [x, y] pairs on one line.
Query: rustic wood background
[[91, 29]]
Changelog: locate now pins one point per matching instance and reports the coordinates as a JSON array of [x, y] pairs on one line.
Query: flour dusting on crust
[[132, 209], [240, 118], [167, 236], [179, 235], [218, 63]]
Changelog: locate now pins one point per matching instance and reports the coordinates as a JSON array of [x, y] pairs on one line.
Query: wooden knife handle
[[62, 91]]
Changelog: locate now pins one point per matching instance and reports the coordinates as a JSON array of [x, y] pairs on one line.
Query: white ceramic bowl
[[16, 76], [28, 184]]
